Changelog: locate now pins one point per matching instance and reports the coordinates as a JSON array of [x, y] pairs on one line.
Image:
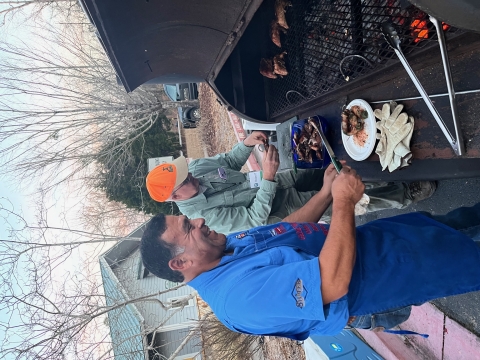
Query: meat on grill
[[270, 68], [280, 10], [308, 144], [279, 64], [275, 29], [266, 68]]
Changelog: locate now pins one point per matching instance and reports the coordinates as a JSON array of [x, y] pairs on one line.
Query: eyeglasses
[[184, 182]]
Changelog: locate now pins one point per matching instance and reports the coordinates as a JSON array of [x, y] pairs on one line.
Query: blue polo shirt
[[269, 281]]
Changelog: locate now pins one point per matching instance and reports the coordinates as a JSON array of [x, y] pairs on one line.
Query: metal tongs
[[393, 40]]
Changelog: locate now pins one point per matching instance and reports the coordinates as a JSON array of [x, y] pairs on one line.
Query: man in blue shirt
[[299, 277]]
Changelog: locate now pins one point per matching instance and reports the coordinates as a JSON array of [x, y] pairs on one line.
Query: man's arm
[[231, 219], [337, 257], [238, 156], [313, 210]]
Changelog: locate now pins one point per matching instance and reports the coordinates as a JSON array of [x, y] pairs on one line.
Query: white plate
[[355, 151]]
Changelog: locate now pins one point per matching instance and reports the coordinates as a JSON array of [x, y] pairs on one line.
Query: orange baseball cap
[[164, 178]]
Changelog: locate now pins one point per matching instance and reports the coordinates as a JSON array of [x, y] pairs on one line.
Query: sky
[[11, 198], [63, 204], [19, 198]]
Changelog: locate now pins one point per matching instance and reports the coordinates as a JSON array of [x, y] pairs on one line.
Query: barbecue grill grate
[[326, 33]]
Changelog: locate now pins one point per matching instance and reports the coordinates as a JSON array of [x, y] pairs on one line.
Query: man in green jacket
[[214, 189]]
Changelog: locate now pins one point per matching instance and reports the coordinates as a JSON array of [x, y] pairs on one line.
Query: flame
[[419, 30]]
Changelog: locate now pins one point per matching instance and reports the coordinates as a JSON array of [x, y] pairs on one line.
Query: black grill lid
[[170, 41]]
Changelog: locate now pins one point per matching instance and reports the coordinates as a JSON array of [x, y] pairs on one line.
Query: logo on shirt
[[222, 173], [298, 230], [278, 230], [337, 347], [241, 235], [299, 293]]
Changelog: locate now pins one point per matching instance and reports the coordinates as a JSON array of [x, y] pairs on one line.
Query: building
[[133, 326]]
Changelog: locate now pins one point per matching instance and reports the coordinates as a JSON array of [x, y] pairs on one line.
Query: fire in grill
[[332, 42]]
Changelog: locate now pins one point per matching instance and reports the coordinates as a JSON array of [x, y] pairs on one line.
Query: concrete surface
[[447, 339], [450, 194]]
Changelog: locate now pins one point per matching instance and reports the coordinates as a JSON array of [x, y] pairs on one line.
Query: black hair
[[156, 253]]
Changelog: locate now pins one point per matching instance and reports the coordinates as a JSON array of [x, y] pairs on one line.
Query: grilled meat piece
[[351, 123], [359, 112], [301, 152], [280, 11], [308, 128], [275, 30], [317, 138], [266, 68], [309, 157], [303, 138], [279, 64], [308, 143]]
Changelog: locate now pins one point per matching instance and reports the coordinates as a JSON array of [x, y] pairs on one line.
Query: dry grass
[[275, 348], [193, 143], [217, 130]]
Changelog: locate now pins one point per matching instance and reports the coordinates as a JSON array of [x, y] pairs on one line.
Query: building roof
[[126, 323]]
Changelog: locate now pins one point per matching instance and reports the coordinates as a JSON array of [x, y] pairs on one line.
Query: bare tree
[[51, 285], [31, 9], [61, 102], [221, 343], [54, 293]]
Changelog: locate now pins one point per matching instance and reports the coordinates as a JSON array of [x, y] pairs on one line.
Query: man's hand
[[256, 137], [270, 163], [347, 186], [328, 177]]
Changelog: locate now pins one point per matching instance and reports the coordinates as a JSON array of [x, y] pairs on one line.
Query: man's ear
[[179, 264]]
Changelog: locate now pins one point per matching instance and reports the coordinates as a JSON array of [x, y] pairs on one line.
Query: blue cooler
[[344, 346], [297, 127]]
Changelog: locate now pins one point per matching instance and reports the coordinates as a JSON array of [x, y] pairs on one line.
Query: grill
[[333, 42]]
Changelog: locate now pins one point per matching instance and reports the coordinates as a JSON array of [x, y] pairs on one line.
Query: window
[[170, 284], [194, 356], [142, 272], [179, 301]]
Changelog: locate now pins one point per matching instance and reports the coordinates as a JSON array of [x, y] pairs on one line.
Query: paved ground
[[465, 309]]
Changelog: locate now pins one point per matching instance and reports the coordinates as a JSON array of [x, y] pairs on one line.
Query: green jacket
[[228, 205]]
